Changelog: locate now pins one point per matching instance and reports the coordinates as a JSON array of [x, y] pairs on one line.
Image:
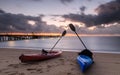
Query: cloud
[[106, 13], [87, 19], [19, 23], [109, 12], [82, 8], [1, 11], [113, 29]]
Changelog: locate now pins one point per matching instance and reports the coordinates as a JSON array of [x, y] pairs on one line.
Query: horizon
[[55, 34]]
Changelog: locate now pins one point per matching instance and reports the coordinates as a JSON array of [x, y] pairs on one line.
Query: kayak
[[84, 62], [39, 57]]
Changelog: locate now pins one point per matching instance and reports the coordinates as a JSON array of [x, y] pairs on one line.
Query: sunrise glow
[[31, 22], [56, 34], [92, 28], [58, 21]]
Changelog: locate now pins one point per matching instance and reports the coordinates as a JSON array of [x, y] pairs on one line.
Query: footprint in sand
[[21, 74], [13, 65], [11, 72], [62, 60], [49, 66], [40, 70], [69, 73], [16, 73], [0, 71], [31, 69], [72, 69]]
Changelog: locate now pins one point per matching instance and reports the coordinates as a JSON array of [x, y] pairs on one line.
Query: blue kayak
[[84, 62]]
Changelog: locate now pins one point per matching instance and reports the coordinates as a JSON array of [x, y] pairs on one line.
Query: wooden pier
[[23, 36]]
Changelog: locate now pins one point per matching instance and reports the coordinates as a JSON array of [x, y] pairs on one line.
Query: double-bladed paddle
[[73, 29], [63, 34]]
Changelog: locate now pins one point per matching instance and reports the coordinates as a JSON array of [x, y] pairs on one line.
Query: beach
[[66, 64]]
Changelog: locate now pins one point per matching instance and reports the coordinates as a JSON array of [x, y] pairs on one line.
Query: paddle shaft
[[80, 40], [63, 34], [55, 43]]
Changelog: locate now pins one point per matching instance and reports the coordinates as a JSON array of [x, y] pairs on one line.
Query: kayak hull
[[84, 62], [39, 57]]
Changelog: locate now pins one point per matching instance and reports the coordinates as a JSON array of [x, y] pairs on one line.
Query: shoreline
[[66, 64], [63, 50]]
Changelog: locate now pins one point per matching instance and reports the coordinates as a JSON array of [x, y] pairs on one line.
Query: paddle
[[73, 29], [63, 34]]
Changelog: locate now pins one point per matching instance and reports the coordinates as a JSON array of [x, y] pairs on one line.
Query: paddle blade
[[64, 32], [72, 27]]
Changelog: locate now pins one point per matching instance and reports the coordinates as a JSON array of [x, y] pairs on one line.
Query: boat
[[84, 62], [39, 56]]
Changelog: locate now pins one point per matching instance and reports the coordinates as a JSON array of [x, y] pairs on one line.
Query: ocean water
[[104, 44]]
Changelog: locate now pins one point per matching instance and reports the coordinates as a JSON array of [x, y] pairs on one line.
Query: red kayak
[[39, 57]]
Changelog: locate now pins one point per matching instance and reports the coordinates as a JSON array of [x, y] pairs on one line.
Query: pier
[[23, 36]]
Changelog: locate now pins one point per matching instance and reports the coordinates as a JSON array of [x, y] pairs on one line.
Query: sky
[[88, 16]]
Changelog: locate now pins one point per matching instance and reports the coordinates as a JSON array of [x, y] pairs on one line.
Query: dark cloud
[[107, 13], [87, 19], [19, 22], [110, 7], [1, 11], [82, 9]]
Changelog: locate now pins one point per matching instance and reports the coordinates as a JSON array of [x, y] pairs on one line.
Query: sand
[[105, 64]]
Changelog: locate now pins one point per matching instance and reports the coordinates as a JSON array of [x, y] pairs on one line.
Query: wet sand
[[66, 64]]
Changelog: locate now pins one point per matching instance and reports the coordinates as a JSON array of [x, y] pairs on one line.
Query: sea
[[99, 44]]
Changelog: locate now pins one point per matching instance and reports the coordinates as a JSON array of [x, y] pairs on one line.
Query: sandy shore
[[105, 64]]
